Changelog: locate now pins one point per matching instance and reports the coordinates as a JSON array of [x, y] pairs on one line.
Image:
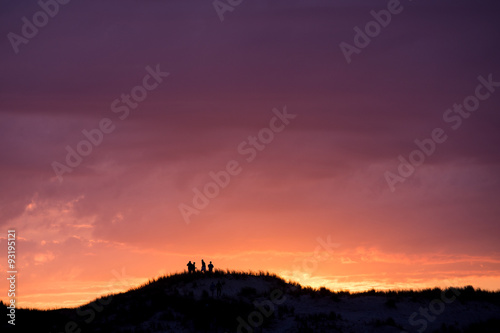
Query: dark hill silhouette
[[264, 302]]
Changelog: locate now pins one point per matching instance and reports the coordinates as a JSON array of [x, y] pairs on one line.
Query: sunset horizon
[[351, 145]]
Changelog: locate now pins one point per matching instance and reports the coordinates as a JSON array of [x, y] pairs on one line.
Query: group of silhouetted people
[[192, 267]]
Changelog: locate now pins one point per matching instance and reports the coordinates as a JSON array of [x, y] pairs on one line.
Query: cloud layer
[[322, 175]]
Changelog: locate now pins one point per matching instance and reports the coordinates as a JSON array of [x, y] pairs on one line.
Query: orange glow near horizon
[[139, 135], [65, 265], [338, 270], [47, 300]]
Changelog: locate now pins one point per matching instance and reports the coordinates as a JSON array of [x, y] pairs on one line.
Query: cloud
[[322, 175], [41, 258]]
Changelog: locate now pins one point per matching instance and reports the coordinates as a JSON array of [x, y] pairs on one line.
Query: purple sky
[[323, 175]]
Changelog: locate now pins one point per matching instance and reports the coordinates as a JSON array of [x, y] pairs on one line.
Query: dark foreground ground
[[265, 303]]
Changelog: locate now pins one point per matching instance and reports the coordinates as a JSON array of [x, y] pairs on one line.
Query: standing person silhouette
[[190, 267], [210, 268], [193, 266], [203, 268]]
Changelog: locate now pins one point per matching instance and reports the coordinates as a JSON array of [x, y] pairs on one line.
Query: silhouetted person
[[194, 266], [212, 288], [190, 267], [203, 268], [219, 288], [210, 267]]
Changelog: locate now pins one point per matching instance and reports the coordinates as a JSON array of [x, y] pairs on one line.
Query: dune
[[263, 302]]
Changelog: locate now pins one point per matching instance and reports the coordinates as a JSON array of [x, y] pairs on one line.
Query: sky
[[264, 135]]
